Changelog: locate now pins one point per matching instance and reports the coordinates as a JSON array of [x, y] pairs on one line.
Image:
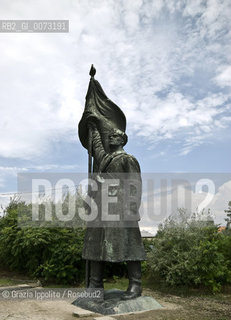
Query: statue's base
[[112, 303]]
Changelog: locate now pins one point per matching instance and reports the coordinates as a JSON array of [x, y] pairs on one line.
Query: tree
[[189, 251], [228, 219]]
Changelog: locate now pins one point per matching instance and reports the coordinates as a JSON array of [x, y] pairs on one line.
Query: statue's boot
[[96, 274], [134, 289]]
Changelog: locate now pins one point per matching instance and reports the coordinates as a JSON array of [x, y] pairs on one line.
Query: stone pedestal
[[112, 303]]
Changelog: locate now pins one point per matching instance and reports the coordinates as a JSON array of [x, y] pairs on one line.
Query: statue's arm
[[99, 153]]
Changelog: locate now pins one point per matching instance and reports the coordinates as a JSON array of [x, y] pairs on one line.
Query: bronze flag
[[109, 114]]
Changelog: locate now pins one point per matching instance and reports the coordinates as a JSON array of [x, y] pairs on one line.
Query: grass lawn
[[117, 283], [7, 282], [10, 278]]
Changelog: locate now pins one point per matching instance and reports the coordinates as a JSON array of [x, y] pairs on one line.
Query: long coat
[[119, 240]]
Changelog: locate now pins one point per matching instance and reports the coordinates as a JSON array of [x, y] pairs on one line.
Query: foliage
[[228, 219], [190, 252], [44, 250], [51, 253]]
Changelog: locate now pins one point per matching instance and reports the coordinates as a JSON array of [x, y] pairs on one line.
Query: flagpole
[[87, 266]]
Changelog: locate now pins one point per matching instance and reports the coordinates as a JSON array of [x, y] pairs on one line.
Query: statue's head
[[117, 138]]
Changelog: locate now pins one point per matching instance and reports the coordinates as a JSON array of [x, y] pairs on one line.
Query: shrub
[[192, 253], [51, 253]]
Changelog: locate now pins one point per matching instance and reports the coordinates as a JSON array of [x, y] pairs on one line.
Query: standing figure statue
[[117, 240]]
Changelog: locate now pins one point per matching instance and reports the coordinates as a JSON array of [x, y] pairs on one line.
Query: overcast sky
[[166, 63]]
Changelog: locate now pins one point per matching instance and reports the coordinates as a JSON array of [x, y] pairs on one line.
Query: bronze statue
[[104, 124]]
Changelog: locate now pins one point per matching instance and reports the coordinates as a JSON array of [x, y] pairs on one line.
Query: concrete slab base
[[81, 313], [104, 318]]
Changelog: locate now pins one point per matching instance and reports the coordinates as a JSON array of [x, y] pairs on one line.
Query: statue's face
[[115, 139]]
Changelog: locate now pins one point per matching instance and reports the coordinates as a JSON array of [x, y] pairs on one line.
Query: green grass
[[50, 285], [184, 291], [118, 283], [7, 282]]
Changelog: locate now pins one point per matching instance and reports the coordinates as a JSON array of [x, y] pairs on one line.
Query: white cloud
[[193, 8], [223, 79], [147, 53], [161, 201], [8, 172], [220, 202]]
